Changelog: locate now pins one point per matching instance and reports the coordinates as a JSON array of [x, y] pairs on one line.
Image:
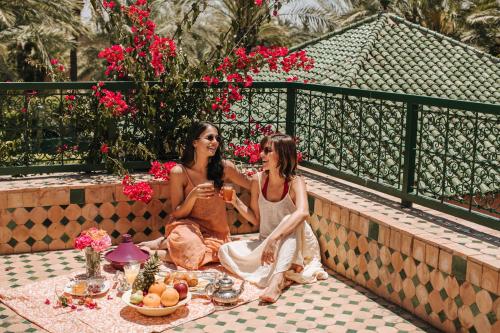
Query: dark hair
[[284, 146], [215, 167]]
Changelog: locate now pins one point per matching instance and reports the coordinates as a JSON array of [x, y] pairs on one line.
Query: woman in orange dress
[[198, 225]]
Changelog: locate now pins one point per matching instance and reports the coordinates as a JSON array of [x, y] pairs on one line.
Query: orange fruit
[[157, 288], [151, 300], [170, 297]]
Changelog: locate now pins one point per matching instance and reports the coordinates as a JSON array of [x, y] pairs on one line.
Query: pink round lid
[[126, 252]]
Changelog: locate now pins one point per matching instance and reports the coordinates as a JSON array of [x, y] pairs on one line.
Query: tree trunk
[[73, 64]]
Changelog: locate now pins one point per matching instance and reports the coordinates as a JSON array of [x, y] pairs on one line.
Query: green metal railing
[[436, 152]]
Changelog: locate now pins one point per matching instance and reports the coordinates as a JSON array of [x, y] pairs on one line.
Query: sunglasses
[[267, 150], [212, 137]]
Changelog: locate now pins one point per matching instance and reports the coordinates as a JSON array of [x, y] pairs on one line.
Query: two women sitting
[[198, 233]]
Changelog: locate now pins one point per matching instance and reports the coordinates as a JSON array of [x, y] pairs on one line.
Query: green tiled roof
[[385, 52]]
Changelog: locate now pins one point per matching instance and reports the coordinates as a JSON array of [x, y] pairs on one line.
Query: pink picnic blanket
[[111, 315]]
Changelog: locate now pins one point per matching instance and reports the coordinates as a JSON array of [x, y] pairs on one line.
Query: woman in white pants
[[287, 250]]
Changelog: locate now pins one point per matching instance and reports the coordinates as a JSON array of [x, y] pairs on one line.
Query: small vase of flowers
[[93, 241]]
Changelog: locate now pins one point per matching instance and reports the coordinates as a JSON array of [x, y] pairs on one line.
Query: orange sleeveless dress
[[195, 240]]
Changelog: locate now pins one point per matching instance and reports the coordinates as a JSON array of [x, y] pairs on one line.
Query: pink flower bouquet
[[98, 239]]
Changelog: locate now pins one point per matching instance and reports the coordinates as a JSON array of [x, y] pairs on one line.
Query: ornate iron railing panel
[[440, 153]]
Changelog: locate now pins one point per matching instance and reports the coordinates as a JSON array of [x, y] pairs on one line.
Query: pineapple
[[146, 276]]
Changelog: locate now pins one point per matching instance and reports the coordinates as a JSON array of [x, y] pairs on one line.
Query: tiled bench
[[421, 260], [431, 264], [47, 213]]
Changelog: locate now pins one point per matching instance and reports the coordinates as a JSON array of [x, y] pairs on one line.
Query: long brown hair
[[284, 146]]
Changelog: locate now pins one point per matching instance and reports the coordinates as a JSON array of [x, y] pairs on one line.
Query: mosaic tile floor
[[335, 305]]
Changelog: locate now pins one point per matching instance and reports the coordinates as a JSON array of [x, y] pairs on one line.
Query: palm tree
[[32, 32], [481, 25], [475, 22]]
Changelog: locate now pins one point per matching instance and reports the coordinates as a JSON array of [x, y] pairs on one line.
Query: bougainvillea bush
[[147, 122]]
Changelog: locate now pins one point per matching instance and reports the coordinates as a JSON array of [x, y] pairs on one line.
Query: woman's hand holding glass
[[204, 190]]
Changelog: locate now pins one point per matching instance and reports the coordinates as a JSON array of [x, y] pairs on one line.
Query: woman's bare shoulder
[[177, 170]]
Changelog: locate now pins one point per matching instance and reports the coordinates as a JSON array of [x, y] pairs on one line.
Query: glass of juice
[[227, 192], [131, 270]]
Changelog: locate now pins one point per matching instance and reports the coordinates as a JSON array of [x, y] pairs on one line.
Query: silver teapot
[[222, 291]]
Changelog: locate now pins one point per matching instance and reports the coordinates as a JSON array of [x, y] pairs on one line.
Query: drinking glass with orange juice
[[227, 192], [131, 271]]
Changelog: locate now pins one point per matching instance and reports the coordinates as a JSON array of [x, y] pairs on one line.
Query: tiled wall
[[34, 220], [445, 288]]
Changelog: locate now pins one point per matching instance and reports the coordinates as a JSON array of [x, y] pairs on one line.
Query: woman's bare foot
[[273, 292]]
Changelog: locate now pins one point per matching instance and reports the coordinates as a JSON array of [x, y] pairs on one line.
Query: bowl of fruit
[[159, 300]]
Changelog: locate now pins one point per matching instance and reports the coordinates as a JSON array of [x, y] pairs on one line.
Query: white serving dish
[[155, 312]]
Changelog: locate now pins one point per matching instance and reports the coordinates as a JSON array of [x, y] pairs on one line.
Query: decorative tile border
[[35, 220], [445, 287]]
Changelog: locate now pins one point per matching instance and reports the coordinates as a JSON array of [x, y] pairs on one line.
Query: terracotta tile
[[318, 207], [3, 200], [89, 212], [373, 249], [89, 224], [57, 244], [31, 198], [384, 235], [397, 261], [164, 191], [482, 324], [484, 301], [123, 209], [107, 210], [99, 194], [490, 279], [6, 249], [5, 234], [474, 273], [406, 245], [467, 293], [73, 212], [20, 215], [73, 229], [450, 308], [422, 294], [5, 217], [108, 225], [451, 286], [38, 215], [437, 279], [119, 196], [435, 301], [55, 214], [410, 267], [54, 196], [56, 230], [385, 255], [326, 209], [423, 273], [21, 233], [344, 217], [363, 225], [40, 246], [395, 241], [354, 222], [335, 213], [445, 261], [14, 199], [431, 255], [352, 240], [122, 226], [22, 248], [38, 232], [139, 208], [419, 250]]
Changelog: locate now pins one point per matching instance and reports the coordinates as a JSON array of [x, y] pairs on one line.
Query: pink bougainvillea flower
[[161, 170], [104, 148], [141, 191]]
